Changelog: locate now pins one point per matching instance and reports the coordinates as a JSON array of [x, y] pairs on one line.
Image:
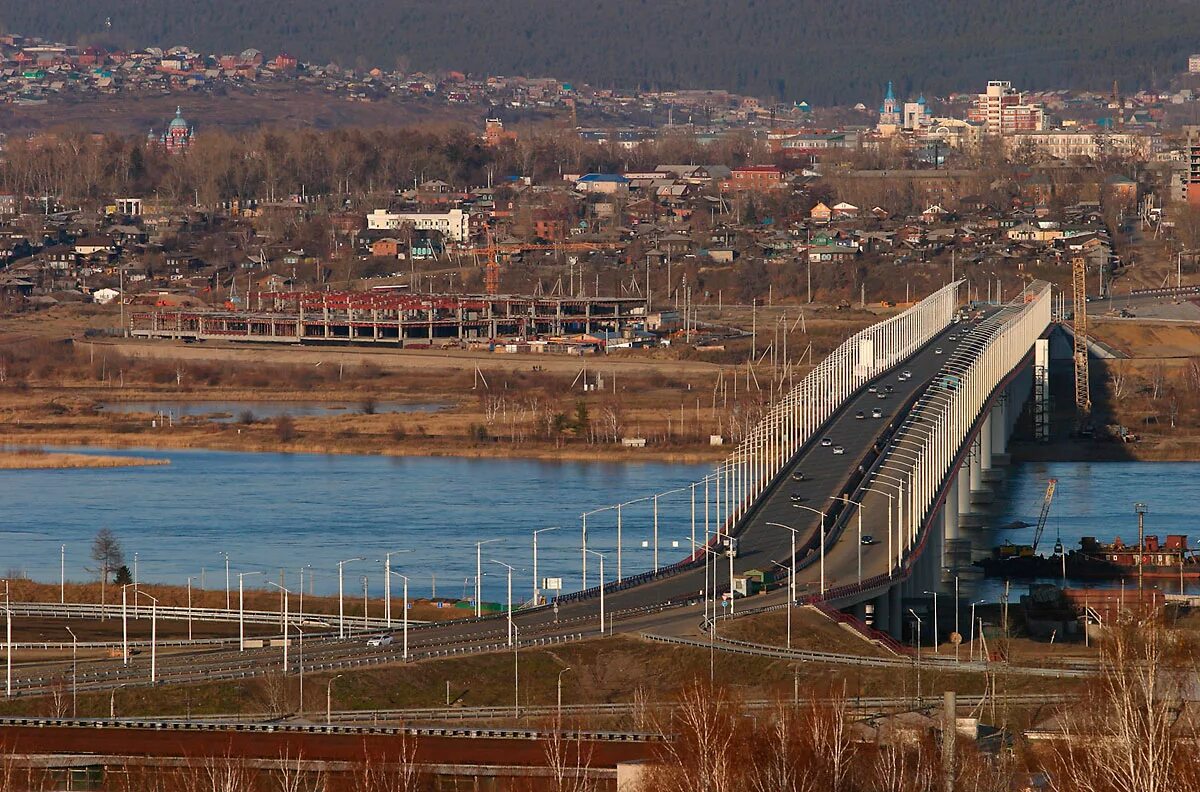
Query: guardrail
[[113, 611]]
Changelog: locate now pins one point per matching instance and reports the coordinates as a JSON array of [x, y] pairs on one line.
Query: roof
[[604, 177]]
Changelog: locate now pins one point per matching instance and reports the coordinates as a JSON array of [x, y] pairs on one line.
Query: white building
[[1194, 64], [1002, 110], [454, 225]]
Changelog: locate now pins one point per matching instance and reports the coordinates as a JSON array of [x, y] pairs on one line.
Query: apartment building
[[1002, 110], [454, 225]]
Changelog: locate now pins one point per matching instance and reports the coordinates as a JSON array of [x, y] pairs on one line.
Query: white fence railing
[[921, 454]]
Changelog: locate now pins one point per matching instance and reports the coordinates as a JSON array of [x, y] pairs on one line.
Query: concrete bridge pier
[[895, 613], [883, 613], [986, 433]]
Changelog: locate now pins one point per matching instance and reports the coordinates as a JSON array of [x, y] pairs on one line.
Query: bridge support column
[[976, 471], [985, 443], [896, 613], [951, 541], [882, 613], [963, 487]]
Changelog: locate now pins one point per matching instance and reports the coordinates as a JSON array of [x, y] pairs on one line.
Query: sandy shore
[[45, 460]]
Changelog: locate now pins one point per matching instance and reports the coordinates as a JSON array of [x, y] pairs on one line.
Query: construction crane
[[1041, 523], [1083, 395], [494, 251]]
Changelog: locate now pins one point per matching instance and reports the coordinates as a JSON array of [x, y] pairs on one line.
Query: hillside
[[791, 49]]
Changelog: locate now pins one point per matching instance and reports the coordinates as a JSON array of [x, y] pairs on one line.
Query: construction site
[[394, 318]]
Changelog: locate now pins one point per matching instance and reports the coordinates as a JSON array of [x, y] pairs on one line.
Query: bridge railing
[[924, 453], [720, 500]]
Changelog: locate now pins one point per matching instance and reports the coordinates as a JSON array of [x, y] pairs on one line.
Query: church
[[895, 117], [178, 136]]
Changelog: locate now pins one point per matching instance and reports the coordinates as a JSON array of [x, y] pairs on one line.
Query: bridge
[[894, 436]]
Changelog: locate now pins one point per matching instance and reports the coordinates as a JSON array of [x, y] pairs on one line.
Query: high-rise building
[[1002, 110], [1194, 64], [1191, 178]]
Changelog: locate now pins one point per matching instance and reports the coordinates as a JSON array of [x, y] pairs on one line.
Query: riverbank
[[1181, 449], [46, 460]]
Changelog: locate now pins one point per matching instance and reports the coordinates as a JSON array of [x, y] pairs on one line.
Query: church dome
[[178, 122]]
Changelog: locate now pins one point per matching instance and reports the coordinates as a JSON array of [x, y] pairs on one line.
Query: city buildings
[[454, 224], [1002, 110]]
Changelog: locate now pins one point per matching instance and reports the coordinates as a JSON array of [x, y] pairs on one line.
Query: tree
[[123, 576], [107, 552]]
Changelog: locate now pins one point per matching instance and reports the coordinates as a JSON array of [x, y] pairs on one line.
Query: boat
[[1096, 560]]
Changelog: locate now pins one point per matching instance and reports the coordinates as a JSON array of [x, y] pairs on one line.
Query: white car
[[937, 351], [380, 640], [839, 450]]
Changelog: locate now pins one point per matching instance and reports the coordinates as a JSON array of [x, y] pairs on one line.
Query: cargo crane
[[1083, 396], [1041, 523]]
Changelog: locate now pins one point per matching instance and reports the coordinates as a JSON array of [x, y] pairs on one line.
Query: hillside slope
[[791, 49]]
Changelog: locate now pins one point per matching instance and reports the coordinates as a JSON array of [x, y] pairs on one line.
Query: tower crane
[[1083, 396]]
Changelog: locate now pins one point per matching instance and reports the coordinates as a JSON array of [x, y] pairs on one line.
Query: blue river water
[[272, 511], [1093, 499]]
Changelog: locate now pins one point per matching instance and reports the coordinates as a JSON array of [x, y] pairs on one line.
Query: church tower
[[889, 112]]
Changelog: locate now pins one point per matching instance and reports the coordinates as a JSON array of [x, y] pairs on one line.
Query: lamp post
[[124, 625], [730, 553], [818, 511], [74, 673], [153, 633], [918, 618], [387, 585], [405, 579], [847, 500], [956, 627], [509, 607], [973, 604], [329, 698], [300, 630], [285, 623], [479, 575], [228, 599], [62, 575], [560, 673], [891, 499], [712, 620], [934, 594], [7, 644], [791, 581], [189, 596], [601, 555], [536, 581], [241, 609], [341, 593]]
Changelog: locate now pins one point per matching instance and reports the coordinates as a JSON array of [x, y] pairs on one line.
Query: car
[[881, 396], [839, 450], [906, 373], [797, 497], [876, 413], [953, 338], [798, 475], [889, 389], [937, 351], [826, 442], [872, 389], [859, 415], [868, 540], [380, 640]]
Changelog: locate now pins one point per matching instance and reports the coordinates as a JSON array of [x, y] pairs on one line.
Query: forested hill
[[792, 49]]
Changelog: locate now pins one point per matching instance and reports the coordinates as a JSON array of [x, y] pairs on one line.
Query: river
[[1093, 499], [291, 510]]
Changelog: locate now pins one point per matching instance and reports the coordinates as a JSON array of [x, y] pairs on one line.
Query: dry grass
[[42, 460]]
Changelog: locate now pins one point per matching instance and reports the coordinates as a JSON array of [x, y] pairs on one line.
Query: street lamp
[[918, 618], [405, 579], [285, 623], [189, 596], [973, 604], [934, 594], [7, 644], [228, 599], [387, 585], [601, 555], [891, 498], [341, 611], [732, 543], [847, 500], [62, 575], [329, 698], [479, 575], [153, 632], [74, 673], [818, 511], [791, 581], [560, 673], [536, 582], [509, 607], [241, 609]]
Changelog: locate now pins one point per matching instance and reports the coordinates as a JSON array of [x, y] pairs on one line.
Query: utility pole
[[949, 734], [1140, 508]]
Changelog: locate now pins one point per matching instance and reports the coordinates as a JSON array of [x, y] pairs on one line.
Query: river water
[[1093, 499], [291, 510]]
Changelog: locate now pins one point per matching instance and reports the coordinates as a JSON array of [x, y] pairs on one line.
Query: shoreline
[[1183, 450], [498, 451]]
